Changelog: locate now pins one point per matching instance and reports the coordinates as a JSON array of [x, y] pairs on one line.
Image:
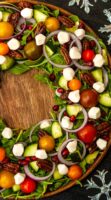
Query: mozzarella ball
[[101, 143], [94, 113], [80, 33], [99, 87], [18, 149], [7, 133], [63, 37], [41, 153], [74, 53], [72, 146], [1, 15], [2, 59], [13, 44], [65, 123], [40, 39], [74, 96], [98, 60], [68, 73], [27, 13], [19, 178], [45, 124], [63, 169]]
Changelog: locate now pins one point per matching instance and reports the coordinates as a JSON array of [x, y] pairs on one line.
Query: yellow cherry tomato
[[52, 24], [47, 142], [6, 30], [3, 49], [6, 179]]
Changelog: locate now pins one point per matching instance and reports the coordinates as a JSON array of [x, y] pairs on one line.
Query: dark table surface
[[98, 16]]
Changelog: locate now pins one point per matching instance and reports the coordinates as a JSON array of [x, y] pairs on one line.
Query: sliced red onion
[[36, 178], [105, 77], [85, 67], [23, 20], [20, 22], [78, 129], [73, 36], [34, 127], [66, 162], [32, 20]]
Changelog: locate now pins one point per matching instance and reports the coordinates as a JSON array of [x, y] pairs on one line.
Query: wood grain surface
[[23, 100]]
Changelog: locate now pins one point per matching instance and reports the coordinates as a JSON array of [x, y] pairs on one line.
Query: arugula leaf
[[55, 13], [74, 18], [19, 69], [27, 33]]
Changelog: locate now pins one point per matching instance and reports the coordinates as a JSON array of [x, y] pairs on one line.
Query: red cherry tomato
[[88, 55], [28, 186], [87, 134]]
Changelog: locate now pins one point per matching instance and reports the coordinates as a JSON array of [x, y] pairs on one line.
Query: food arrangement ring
[[56, 153]]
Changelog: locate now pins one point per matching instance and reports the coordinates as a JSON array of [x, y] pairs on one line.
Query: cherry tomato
[[52, 24], [28, 186], [6, 179], [3, 49], [88, 98], [2, 154], [74, 84], [6, 30], [88, 55], [87, 134], [47, 142], [75, 172]]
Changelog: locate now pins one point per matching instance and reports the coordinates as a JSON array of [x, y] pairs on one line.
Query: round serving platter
[[24, 101]]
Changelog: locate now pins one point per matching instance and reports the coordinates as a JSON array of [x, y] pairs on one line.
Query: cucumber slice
[[39, 16], [104, 52], [63, 83], [6, 16], [49, 51], [57, 175], [98, 75], [16, 188], [56, 130], [34, 166], [105, 99], [30, 150], [73, 109], [8, 63]]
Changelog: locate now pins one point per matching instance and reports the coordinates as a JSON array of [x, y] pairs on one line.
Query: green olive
[[32, 51]]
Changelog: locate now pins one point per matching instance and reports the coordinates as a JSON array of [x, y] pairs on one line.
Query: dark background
[[95, 19]]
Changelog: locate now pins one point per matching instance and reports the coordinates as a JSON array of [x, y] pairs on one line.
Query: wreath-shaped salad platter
[[56, 153]]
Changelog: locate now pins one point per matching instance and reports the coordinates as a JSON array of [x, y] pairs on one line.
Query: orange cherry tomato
[[52, 24], [74, 84], [3, 49], [75, 172], [2, 154], [6, 179], [6, 30]]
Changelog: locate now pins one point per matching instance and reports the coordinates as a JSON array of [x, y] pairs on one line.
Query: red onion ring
[[60, 157], [85, 67], [105, 77], [24, 21], [73, 36], [36, 178], [83, 124]]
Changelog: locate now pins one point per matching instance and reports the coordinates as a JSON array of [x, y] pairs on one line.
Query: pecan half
[[41, 28], [11, 167], [15, 54], [24, 4], [85, 44], [65, 54], [45, 165], [92, 147], [64, 95], [88, 78], [102, 128], [66, 21], [14, 18]]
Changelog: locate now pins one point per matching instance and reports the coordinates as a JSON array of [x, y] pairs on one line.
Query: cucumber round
[[34, 166], [30, 150], [98, 75], [63, 83], [105, 99], [49, 51], [8, 63], [56, 130], [57, 175], [73, 109], [39, 16], [16, 188]]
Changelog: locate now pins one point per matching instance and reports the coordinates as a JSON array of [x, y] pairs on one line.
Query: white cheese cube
[[1, 15], [80, 33], [19, 178], [63, 169], [68, 73], [98, 60], [2, 59], [18, 149], [74, 53], [7, 133], [27, 13], [40, 39], [63, 37], [74, 96], [13, 44], [72, 146], [101, 143], [41, 153], [99, 87], [65, 123], [94, 113], [45, 124]]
